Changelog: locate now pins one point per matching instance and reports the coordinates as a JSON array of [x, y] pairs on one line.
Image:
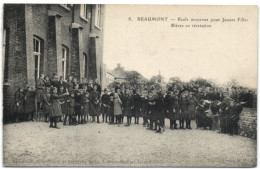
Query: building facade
[[65, 39]]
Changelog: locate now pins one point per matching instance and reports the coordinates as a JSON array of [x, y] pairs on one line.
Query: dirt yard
[[92, 144]]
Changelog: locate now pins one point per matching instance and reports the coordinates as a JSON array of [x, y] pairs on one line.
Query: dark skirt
[[127, 111], [94, 109], [183, 113], [190, 112], [77, 109], [136, 112], [55, 109], [85, 108], [70, 111]]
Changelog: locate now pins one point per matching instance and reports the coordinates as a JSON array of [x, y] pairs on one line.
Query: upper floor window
[[85, 12], [98, 16]]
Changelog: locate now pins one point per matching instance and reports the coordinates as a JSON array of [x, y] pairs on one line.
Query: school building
[[66, 39]]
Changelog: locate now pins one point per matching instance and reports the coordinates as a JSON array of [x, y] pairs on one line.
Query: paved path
[[92, 144]]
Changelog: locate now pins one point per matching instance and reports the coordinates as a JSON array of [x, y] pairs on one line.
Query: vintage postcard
[[99, 85]]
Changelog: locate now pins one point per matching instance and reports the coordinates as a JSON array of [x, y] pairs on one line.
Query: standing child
[[70, 108], [117, 108], [152, 109], [19, 103], [105, 103], [85, 106], [144, 108], [77, 102], [55, 108], [95, 104], [46, 104], [184, 108], [111, 109], [137, 106], [127, 106], [30, 102]]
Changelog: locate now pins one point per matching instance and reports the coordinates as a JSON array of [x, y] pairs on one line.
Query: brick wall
[[53, 25], [248, 123], [15, 54]]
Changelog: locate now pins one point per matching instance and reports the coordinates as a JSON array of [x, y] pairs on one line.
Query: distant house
[[119, 73]]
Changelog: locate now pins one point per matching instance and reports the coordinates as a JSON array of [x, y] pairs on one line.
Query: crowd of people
[[68, 101]]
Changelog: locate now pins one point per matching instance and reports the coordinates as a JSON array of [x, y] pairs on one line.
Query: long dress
[[117, 107]]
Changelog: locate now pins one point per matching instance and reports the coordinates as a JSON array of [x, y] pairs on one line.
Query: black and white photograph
[[129, 85]]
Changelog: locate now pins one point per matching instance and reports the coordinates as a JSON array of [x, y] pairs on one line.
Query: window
[[64, 61], [37, 57], [85, 13], [98, 16]]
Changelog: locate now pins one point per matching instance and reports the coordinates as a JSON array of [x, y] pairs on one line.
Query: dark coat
[[169, 106], [127, 104], [105, 103], [184, 103], [94, 104], [70, 106], [159, 106], [137, 102]]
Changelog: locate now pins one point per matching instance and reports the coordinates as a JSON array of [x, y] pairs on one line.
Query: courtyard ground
[[92, 144]]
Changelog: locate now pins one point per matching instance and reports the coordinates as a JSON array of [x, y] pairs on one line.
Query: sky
[[227, 50]]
